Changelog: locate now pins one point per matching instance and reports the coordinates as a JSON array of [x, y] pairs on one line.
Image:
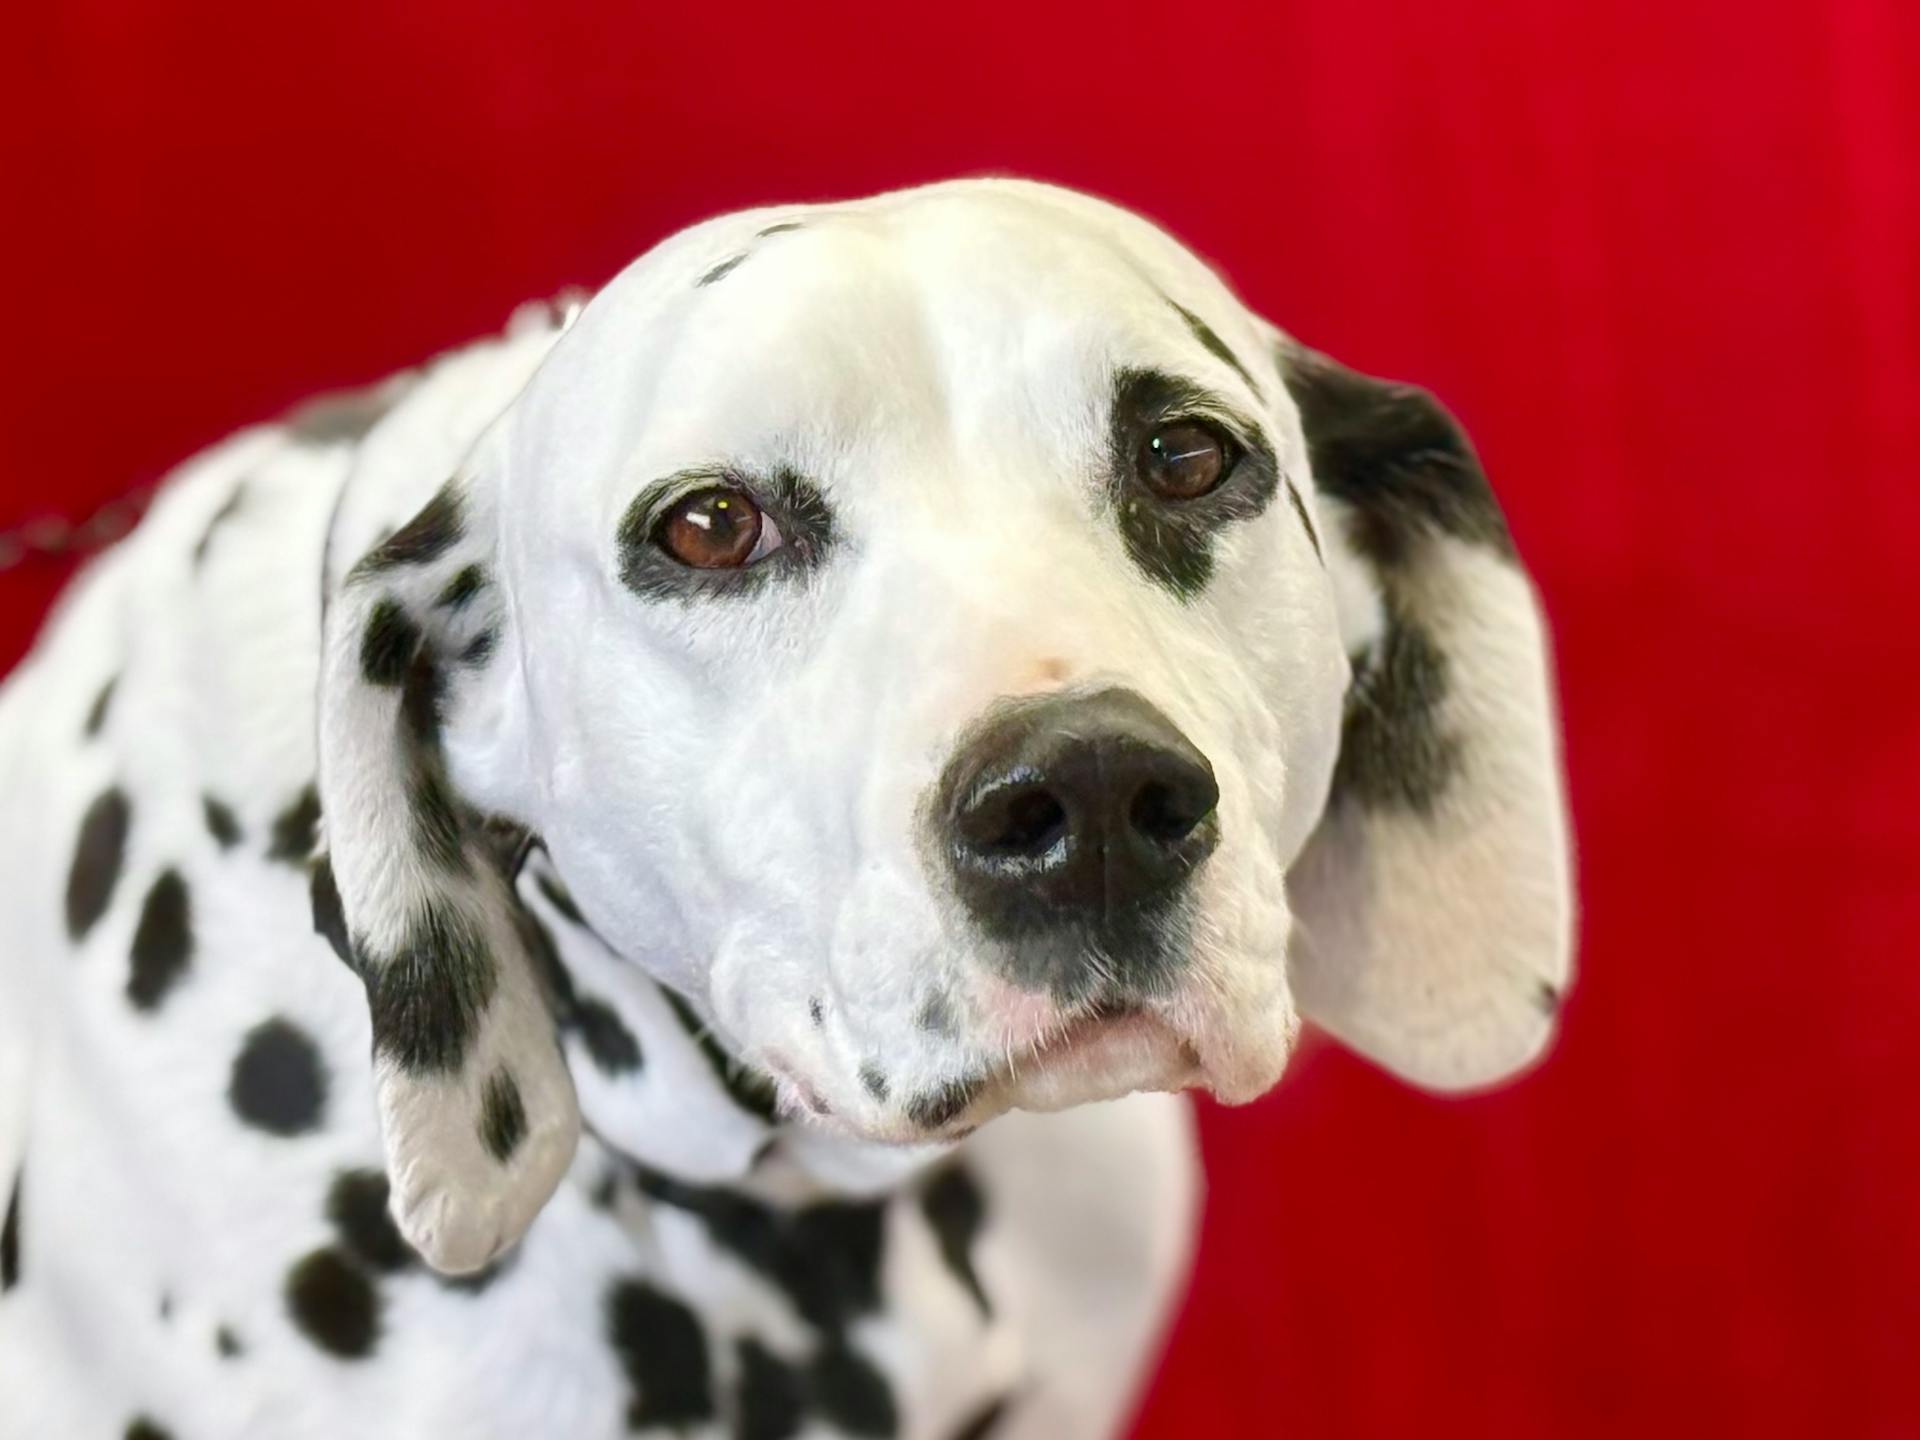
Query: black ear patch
[[427, 999], [432, 532], [465, 584], [503, 1115], [1393, 753], [388, 644], [97, 860], [1395, 456]]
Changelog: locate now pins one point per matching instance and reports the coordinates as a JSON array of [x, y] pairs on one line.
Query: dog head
[[978, 662]]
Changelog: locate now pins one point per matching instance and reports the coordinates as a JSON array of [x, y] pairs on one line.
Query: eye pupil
[[711, 530], [1183, 461]]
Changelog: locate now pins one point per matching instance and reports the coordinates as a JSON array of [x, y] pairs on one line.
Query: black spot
[[96, 861], [874, 1082], [388, 644], [477, 651], [779, 229], [772, 1396], [97, 712], [221, 822], [558, 897], [936, 1108], [296, 829], [329, 918], [850, 1393], [227, 1343], [342, 419], [162, 943], [278, 1083], [427, 999], [141, 1428], [749, 1089], [546, 960], [427, 536], [936, 1014], [614, 1048], [166, 1306], [10, 1239], [437, 828], [503, 1118], [984, 1421], [956, 1209], [826, 1257], [466, 583], [357, 1207], [1171, 542], [816, 1012], [1217, 347], [334, 1304], [1306, 520], [664, 1351], [220, 517], [720, 271], [1394, 454], [423, 699], [1547, 997], [1393, 753]]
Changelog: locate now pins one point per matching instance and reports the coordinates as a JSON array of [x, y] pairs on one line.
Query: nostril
[[1035, 823], [1013, 820], [1167, 814]]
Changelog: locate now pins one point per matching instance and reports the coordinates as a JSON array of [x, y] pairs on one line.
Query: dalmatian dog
[[664, 873]]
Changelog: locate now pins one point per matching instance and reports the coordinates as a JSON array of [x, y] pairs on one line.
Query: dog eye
[[717, 529], [1184, 459]]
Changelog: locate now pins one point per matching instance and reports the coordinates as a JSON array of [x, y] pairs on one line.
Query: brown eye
[[717, 529], [1182, 460]]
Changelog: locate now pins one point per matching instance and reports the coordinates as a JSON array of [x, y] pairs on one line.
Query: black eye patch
[[793, 503], [1172, 541]]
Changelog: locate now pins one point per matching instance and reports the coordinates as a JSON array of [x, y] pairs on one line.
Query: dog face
[[928, 632]]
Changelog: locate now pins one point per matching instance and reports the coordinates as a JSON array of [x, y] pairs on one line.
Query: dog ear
[[1433, 902], [476, 1104]]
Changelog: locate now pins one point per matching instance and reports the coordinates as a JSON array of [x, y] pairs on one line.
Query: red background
[[1662, 259]]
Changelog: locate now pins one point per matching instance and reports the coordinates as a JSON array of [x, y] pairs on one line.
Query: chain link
[[54, 537]]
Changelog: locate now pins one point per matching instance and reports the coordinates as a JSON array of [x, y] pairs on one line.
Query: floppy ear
[[476, 1105], [1433, 901]]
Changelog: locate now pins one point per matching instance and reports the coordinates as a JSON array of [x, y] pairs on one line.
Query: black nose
[[1076, 807]]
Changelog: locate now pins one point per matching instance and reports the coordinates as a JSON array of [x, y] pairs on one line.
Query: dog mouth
[[1106, 1052]]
